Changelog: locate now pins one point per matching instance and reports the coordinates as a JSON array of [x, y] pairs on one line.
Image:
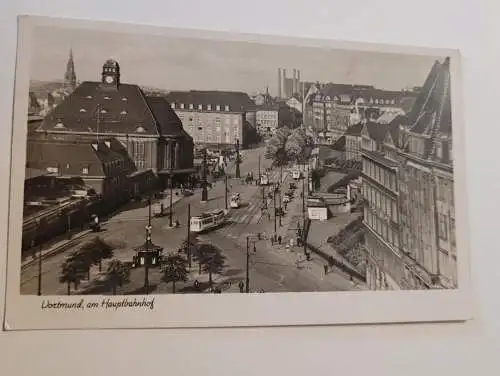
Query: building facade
[[267, 119], [146, 126], [408, 187], [385, 265], [213, 117], [353, 142]]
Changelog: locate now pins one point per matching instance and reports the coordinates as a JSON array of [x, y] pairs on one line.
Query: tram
[[235, 202], [208, 221]]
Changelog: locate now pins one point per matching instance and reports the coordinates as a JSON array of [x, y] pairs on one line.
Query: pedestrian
[[272, 241], [268, 216], [241, 285], [279, 240], [326, 268], [196, 284]]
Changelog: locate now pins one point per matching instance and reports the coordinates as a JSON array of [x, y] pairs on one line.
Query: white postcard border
[[222, 310]]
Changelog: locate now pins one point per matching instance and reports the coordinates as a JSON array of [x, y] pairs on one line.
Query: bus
[[208, 221]]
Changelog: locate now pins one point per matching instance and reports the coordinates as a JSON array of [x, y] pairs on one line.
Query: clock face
[[109, 79]]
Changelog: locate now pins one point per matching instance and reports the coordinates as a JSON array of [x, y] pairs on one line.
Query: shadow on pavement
[[231, 272]]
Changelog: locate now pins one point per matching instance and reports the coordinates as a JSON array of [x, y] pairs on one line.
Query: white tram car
[[235, 201], [207, 221]]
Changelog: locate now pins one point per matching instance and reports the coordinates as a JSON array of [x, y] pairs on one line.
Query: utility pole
[[188, 250], [304, 236], [171, 213], [225, 190], [247, 279], [147, 256], [274, 199], [204, 192], [37, 231], [237, 159]]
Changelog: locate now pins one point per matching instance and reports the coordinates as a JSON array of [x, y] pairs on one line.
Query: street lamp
[[247, 276], [171, 212], [238, 159], [37, 231], [148, 254], [204, 192]]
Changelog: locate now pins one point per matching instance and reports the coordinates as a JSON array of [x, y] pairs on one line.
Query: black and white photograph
[[177, 164]]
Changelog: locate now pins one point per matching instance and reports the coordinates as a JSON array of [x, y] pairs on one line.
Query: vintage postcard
[[179, 178]]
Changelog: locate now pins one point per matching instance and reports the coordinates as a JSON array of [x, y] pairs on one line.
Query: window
[[123, 112], [182, 105], [200, 107], [124, 99], [89, 97], [217, 108], [227, 108], [85, 170], [452, 231], [83, 110], [172, 105], [443, 227], [209, 107], [191, 106], [104, 111], [107, 98]]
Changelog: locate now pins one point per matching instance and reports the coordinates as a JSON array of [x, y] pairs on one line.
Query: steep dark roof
[[168, 121], [355, 130], [339, 144], [377, 131], [394, 128], [70, 156], [433, 105], [237, 101], [123, 110]]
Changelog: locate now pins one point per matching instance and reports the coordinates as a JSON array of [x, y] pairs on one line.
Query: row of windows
[[200, 107], [445, 190], [382, 228], [380, 174], [382, 203], [447, 228], [347, 99]]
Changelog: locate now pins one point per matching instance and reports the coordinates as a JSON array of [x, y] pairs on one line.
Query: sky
[[174, 63]]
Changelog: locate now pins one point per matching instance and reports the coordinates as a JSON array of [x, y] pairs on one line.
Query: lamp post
[[37, 231], [238, 159], [247, 274], [225, 190], [204, 192], [275, 212], [171, 212], [188, 250]]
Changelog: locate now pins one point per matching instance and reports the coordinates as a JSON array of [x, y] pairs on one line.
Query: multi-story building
[[102, 165], [213, 117], [146, 126], [408, 185], [385, 266], [353, 142], [426, 185], [267, 119]]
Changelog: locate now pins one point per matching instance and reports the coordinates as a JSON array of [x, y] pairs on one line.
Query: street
[[272, 269]]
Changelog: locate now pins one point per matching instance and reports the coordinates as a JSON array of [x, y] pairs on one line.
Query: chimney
[[294, 81], [279, 83], [283, 83], [298, 78]]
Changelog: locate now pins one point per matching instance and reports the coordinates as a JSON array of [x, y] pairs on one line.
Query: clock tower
[[111, 74]]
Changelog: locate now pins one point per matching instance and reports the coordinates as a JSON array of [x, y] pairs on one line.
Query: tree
[[97, 250], [295, 144], [72, 270], [210, 259], [117, 274], [174, 270]]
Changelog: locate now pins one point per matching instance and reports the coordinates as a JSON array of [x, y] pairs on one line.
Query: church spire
[[70, 75]]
